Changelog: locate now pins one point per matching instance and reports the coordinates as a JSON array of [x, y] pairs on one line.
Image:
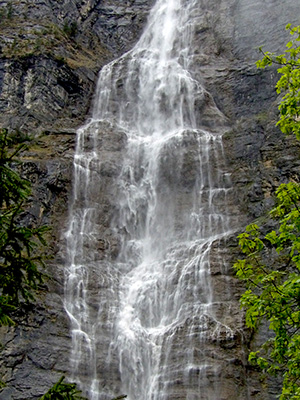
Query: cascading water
[[151, 303]]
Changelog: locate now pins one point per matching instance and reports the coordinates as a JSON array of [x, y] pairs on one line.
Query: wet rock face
[[51, 52]]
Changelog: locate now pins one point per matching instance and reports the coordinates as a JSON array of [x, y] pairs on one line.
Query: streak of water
[[170, 211]]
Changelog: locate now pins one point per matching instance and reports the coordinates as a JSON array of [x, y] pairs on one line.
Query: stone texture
[[47, 73], [47, 82]]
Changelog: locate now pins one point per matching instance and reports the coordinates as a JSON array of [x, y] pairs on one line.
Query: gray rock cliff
[[50, 55]]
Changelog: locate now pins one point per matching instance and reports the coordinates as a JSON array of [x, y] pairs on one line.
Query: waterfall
[[146, 224]]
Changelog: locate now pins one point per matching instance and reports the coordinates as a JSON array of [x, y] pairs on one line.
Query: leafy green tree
[[271, 267], [20, 258], [289, 82]]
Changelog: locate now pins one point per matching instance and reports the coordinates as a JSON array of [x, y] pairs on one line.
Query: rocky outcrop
[[51, 52]]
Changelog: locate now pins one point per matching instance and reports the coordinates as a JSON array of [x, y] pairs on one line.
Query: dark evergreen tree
[[20, 254]]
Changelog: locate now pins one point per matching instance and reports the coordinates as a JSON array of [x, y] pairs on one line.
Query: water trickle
[[138, 280]]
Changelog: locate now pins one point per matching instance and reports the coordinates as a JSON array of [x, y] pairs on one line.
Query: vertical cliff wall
[[50, 56]]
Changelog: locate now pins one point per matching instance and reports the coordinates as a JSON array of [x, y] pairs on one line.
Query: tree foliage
[[63, 391], [20, 258], [271, 267], [289, 82], [67, 391]]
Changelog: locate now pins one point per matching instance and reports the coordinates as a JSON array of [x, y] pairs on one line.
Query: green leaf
[[271, 265]]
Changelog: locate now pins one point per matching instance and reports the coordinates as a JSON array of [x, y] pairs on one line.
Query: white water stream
[[169, 212]]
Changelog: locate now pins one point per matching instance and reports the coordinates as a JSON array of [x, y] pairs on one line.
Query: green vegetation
[[67, 391], [23, 36], [42, 37], [289, 82], [271, 267], [70, 29], [63, 391], [6, 13], [46, 40], [20, 254]]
